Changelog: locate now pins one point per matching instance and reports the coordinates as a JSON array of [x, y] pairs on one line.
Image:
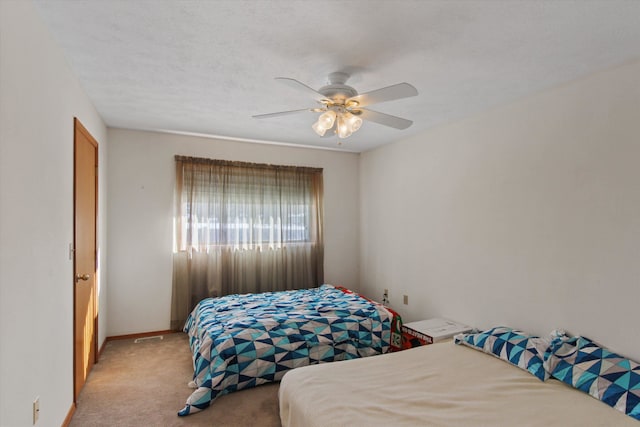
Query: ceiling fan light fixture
[[327, 119], [317, 127], [353, 122], [325, 122], [343, 129]]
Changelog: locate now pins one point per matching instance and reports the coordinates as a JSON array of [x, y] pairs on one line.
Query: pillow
[[593, 369], [516, 347]]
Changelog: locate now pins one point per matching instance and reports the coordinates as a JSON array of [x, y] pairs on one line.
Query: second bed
[[241, 341]]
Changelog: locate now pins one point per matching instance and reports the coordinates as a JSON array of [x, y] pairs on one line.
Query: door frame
[[78, 127]]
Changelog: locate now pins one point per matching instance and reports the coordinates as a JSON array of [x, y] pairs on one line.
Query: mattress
[[441, 384]]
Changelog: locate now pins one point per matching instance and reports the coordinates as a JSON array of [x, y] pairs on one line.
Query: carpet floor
[[145, 384]]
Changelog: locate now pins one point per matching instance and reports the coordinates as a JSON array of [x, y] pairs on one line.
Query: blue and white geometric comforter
[[241, 341]]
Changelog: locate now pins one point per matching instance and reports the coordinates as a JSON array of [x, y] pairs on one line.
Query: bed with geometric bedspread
[[241, 341]]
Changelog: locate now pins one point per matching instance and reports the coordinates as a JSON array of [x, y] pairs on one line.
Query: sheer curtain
[[244, 227]]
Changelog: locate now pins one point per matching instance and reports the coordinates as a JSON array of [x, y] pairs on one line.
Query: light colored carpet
[[145, 384]]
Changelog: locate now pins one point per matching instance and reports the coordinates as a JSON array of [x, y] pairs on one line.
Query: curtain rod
[[238, 164]]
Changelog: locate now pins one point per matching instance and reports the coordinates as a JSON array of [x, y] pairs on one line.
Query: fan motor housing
[[338, 92]]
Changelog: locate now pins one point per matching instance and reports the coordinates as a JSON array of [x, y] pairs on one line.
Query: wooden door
[[85, 255]]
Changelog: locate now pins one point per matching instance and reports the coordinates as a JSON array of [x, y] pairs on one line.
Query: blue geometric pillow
[[605, 375], [521, 350]]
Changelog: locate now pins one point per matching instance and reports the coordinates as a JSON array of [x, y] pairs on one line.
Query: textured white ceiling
[[207, 66]]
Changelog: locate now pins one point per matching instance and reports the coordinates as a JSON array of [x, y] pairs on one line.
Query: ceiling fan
[[342, 107]]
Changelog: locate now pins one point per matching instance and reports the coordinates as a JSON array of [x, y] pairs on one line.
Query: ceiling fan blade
[[281, 113], [385, 119], [301, 86], [389, 93]]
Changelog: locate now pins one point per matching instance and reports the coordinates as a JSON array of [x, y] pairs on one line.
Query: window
[[245, 206]]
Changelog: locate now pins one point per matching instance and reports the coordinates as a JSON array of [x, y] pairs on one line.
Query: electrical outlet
[[405, 299], [36, 410]]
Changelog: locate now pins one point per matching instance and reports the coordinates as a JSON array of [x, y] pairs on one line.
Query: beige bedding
[[442, 384]]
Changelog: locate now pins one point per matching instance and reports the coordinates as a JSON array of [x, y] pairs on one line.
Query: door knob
[[82, 277]]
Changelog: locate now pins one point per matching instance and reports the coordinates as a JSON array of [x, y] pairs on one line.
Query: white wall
[[526, 215], [141, 182], [39, 97]]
